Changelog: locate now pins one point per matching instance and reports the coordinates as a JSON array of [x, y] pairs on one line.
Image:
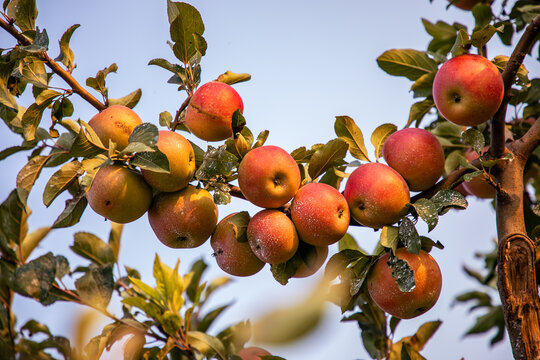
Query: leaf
[[31, 119], [462, 43], [209, 318], [114, 238], [446, 199], [428, 211], [66, 56], [501, 61], [61, 181], [130, 100], [474, 138], [340, 261], [326, 156], [230, 77], [206, 344], [187, 22], [402, 273], [95, 287], [98, 82], [35, 278], [389, 237], [72, 212], [169, 284], [284, 271], [13, 221], [155, 161], [87, 144], [92, 248], [444, 35], [379, 136], [419, 110], [423, 86], [32, 240], [480, 38], [143, 288], [302, 155], [348, 242], [146, 133], [28, 175], [24, 12], [482, 15], [409, 236], [197, 270], [347, 130], [46, 96], [261, 139], [407, 62], [216, 161]]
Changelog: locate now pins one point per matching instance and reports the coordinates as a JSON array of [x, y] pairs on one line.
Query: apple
[[272, 236], [268, 176], [119, 194], [384, 291], [115, 123], [415, 154], [310, 268], [468, 90], [377, 195], [231, 249], [183, 219], [478, 186], [209, 112], [181, 158], [253, 353], [320, 214], [464, 4]]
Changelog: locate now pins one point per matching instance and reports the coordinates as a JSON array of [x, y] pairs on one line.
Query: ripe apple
[[468, 90], [253, 353], [305, 270], [115, 123], [209, 113], [183, 219], [232, 256], [181, 158], [320, 214], [377, 195], [119, 194], [383, 289], [478, 186], [272, 236], [464, 4], [415, 154], [268, 176]]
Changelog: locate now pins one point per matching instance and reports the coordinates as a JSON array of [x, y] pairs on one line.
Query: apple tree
[[471, 132]]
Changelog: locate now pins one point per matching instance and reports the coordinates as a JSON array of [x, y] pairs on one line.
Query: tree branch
[[54, 66], [509, 74], [528, 142]]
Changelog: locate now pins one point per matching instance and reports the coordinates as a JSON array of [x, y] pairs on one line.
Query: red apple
[[232, 256], [464, 4], [384, 291], [415, 154], [478, 186], [181, 158], [209, 113], [377, 195], [272, 236], [468, 90], [268, 176], [183, 219], [320, 214], [253, 353]]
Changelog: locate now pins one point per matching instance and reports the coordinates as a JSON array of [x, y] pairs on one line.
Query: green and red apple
[[115, 123]]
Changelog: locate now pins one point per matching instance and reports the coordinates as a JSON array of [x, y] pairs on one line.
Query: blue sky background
[[310, 61]]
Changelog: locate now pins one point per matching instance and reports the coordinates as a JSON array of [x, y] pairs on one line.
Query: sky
[[310, 61]]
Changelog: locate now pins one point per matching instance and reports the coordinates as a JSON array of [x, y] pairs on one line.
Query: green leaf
[[35, 278], [302, 155], [261, 139], [340, 261], [169, 284], [146, 133], [453, 160], [24, 12], [407, 62], [46, 96], [130, 100], [95, 287], [31, 119], [13, 220], [87, 144], [98, 82], [33, 71], [217, 161], [28, 175], [482, 15], [409, 236], [379, 136], [114, 238], [462, 44], [389, 237], [474, 138], [197, 270], [171, 322], [286, 270], [348, 242], [402, 273], [423, 86], [446, 199], [33, 327], [178, 70], [155, 161], [209, 318], [333, 152], [230, 77], [481, 37], [206, 344], [347, 130], [66, 56], [61, 181], [238, 121], [419, 110], [92, 248], [187, 22], [72, 212], [165, 119], [428, 211], [444, 35], [216, 284], [145, 289]]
